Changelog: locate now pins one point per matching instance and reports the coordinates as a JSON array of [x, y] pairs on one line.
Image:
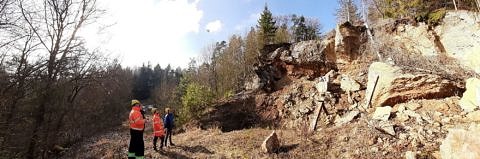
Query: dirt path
[[192, 144]]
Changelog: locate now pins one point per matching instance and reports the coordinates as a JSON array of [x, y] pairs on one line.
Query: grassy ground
[[352, 140]]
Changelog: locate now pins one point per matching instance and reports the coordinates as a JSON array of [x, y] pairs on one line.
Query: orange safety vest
[[157, 125], [136, 119]]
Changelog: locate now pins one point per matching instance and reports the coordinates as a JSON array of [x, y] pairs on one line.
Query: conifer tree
[[267, 28]]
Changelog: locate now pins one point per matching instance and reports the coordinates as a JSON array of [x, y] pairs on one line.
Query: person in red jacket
[[137, 125], [158, 131]]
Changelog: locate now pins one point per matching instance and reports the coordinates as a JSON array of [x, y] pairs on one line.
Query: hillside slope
[[406, 105]]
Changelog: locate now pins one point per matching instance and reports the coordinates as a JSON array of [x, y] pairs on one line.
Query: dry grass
[[303, 130]]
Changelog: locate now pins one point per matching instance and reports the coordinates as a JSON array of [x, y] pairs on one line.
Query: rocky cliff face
[[309, 59], [458, 37], [288, 74], [407, 109], [348, 40]]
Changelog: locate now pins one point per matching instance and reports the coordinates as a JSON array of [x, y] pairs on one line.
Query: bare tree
[[366, 19], [17, 46], [21, 69], [45, 74], [5, 12], [347, 12], [55, 24]]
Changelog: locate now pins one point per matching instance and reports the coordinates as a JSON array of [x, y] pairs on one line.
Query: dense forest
[[55, 91]]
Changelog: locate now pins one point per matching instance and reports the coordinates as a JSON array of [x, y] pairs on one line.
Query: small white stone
[[410, 155], [382, 113], [403, 136]]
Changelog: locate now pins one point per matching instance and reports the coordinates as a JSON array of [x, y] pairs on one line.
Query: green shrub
[[195, 100], [435, 17], [432, 18]]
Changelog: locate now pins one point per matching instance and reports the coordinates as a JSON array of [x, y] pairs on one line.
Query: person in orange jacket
[[136, 147], [158, 131]]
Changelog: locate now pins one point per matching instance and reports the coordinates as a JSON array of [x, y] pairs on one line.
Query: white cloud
[[149, 30], [214, 26]]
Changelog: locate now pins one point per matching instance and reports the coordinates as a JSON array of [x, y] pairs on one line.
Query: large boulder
[[311, 58], [280, 63], [460, 36], [271, 143], [312, 51], [461, 143], [471, 97], [397, 85]]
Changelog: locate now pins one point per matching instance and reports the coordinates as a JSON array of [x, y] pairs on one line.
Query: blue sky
[[173, 31], [237, 16]]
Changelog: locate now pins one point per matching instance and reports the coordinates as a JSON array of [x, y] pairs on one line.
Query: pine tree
[[143, 83], [267, 28], [299, 28], [305, 28], [157, 75]]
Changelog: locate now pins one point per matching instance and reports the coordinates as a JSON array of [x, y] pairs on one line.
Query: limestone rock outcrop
[[397, 85], [460, 36]]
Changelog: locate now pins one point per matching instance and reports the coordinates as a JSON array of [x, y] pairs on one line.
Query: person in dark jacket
[[168, 121]]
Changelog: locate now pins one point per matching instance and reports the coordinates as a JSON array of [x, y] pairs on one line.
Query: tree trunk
[[477, 2], [455, 4], [369, 33], [348, 11], [39, 119]]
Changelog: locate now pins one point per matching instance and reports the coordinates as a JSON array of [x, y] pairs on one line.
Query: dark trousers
[[136, 146], [168, 136], [155, 138]]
